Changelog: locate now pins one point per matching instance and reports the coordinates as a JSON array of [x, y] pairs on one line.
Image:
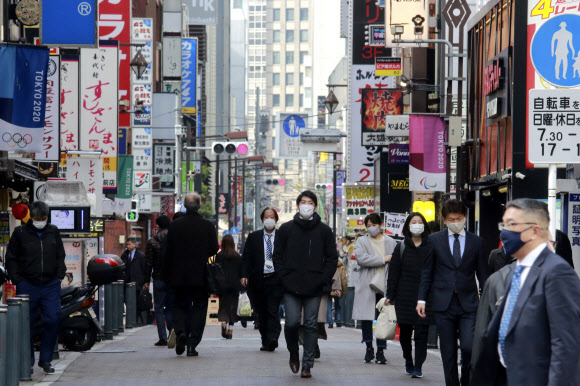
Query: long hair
[[229, 247], [407, 231]]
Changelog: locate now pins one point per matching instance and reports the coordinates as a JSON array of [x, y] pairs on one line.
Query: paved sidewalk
[[131, 359]]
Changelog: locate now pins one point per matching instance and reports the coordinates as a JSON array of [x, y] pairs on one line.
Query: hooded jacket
[[305, 256]]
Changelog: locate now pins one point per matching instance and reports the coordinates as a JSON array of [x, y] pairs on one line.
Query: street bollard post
[[120, 299], [25, 370], [13, 342], [101, 303], [114, 307], [131, 297], [3, 337], [108, 312]]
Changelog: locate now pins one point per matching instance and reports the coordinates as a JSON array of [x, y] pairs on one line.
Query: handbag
[[144, 301], [386, 322], [377, 283], [244, 306], [215, 276]]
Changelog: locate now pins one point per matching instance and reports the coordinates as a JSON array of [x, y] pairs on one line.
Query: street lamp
[[331, 102], [139, 64]]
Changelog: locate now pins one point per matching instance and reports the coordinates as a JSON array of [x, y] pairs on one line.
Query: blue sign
[[225, 233], [188, 75], [293, 124], [234, 231], [69, 23], [142, 119], [555, 51], [122, 134]]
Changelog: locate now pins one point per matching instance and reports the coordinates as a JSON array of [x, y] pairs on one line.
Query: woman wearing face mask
[[403, 287], [373, 254]]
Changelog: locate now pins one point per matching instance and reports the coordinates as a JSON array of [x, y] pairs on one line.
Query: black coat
[[498, 260], [563, 247], [232, 267], [154, 255], [254, 259], [37, 260], [135, 270], [404, 279], [191, 241], [305, 256]]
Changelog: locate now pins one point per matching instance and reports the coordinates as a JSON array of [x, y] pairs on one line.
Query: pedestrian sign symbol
[[555, 51], [234, 231], [225, 233], [293, 124]]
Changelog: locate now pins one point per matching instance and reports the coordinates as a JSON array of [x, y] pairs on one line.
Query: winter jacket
[[154, 255], [232, 267], [343, 281], [33, 258], [135, 269], [305, 256]]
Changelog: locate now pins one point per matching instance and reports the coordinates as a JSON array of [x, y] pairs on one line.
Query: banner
[[74, 263], [428, 160], [399, 154], [22, 97], [50, 140], [89, 172], [69, 103], [125, 189], [188, 75], [377, 105]]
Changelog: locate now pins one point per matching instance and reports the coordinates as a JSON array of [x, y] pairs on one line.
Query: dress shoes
[[191, 352], [180, 344], [47, 367], [294, 362], [161, 342], [305, 373], [267, 348]]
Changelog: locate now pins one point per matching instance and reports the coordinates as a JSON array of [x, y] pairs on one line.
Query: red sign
[[115, 24], [492, 77]]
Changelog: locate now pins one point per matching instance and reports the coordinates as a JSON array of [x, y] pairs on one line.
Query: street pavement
[[131, 359]]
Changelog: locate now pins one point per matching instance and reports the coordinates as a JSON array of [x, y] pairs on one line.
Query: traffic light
[[230, 148], [323, 186], [133, 215]]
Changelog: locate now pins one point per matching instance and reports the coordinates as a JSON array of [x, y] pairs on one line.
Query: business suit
[[265, 290], [455, 297], [135, 273], [498, 260], [543, 336]]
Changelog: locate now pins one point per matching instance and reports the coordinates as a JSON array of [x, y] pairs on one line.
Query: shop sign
[[358, 199], [388, 67], [399, 154], [493, 77]]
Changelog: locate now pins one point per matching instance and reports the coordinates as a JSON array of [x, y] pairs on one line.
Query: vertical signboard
[[69, 103], [171, 56], [574, 227], [89, 172], [378, 108], [288, 144], [125, 189], [50, 139], [142, 33], [98, 111], [428, 159], [74, 263], [163, 164], [202, 11], [188, 75]]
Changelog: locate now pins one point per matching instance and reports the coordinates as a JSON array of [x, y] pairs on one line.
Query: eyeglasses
[[503, 225]]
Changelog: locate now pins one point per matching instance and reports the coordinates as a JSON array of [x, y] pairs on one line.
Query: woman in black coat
[[231, 262], [403, 286]]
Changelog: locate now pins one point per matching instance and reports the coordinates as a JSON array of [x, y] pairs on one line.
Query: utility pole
[[243, 203], [257, 139], [217, 195]]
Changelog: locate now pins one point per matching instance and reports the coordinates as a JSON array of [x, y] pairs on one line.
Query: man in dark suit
[[450, 269], [264, 286], [135, 271], [534, 336], [498, 260], [191, 241]]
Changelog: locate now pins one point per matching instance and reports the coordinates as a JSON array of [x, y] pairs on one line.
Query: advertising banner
[[50, 140], [164, 164], [202, 11], [377, 106], [188, 75], [388, 67], [59, 18], [74, 263], [288, 144], [125, 189], [99, 107], [412, 15], [22, 97], [394, 224], [69, 103], [224, 203], [399, 154], [358, 199], [89, 172], [428, 160], [167, 205], [171, 56]]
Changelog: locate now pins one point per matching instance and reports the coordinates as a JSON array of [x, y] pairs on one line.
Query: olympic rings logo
[[15, 139]]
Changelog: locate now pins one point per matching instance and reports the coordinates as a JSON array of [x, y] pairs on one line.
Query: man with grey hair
[[191, 241], [534, 336], [35, 264]]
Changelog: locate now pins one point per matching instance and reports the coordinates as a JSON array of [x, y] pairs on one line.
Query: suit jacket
[[446, 278], [253, 258], [541, 346], [135, 270], [498, 260]]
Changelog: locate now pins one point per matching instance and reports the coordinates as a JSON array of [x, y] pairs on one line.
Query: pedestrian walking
[[191, 241], [456, 257], [262, 279], [534, 336], [305, 258], [162, 294], [231, 263], [335, 297], [35, 264], [373, 254], [403, 287], [135, 271]]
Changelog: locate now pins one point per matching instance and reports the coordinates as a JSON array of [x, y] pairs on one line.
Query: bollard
[[25, 370], [101, 303], [120, 299], [13, 342], [108, 312], [114, 307], [3, 336], [131, 299]]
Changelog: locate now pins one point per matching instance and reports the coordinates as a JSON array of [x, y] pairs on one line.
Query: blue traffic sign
[[234, 231], [225, 233], [293, 124], [555, 51]]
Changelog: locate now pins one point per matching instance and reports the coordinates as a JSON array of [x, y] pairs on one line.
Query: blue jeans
[[44, 300], [337, 310], [294, 305], [162, 304]]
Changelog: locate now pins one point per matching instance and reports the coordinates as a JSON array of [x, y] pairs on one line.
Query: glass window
[[276, 100], [276, 57], [276, 36], [289, 14], [276, 79], [290, 36], [289, 101], [303, 14], [301, 79], [288, 163], [289, 57], [289, 79], [276, 14], [302, 56], [301, 100], [303, 35]]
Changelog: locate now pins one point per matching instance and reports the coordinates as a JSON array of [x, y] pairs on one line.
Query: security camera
[[506, 177], [520, 175]]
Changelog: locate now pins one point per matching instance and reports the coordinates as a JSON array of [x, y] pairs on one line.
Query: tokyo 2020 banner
[[428, 160]]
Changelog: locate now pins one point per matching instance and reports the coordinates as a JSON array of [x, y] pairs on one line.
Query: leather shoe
[[191, 352], [294, 362], [305, 373], [180, 344], [47, 367], [161, 342], [266, 348]]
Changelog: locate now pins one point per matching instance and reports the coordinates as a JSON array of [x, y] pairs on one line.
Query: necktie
[[509, 307], [456, 250], [269, 245]]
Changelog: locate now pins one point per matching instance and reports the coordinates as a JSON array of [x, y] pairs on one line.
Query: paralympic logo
[[17, 139], [425, 185]]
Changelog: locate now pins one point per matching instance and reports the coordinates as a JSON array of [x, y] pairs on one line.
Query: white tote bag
[[386, 322]]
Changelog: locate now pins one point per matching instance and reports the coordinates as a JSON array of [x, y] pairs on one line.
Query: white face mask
[[306, 211], [374, 230], [456, 227], [39, 224], [269, 223], [416, 229]]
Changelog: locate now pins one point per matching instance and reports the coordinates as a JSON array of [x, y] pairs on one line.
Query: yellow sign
[[188, 110]]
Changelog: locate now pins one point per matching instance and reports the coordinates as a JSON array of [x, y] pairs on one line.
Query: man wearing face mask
[[456, 257], [305, 259], [35, 263], [260, 278]]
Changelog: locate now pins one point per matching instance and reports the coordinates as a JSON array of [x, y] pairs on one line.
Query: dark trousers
[[421, 335], [452, 324], [337, 310], [162, 304], [186, 300], [266, 302], [367, 329], [294, 305], [44, 300]]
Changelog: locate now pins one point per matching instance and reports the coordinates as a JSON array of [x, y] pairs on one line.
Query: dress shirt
[[268, 264], [461, 241], [527, 262]]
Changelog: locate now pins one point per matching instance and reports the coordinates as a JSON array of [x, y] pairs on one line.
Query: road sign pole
[[552, 172]]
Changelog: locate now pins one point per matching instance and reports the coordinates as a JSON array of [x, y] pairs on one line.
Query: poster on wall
[[74, 262], [51, 138], [288, 144], [428, 159]]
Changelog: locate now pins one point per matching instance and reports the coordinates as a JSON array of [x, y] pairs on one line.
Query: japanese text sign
[[51, 138], [380, 116], [188, 75], [89, 172], [358, 199], [163, 164], [288, 144], [69, 103]]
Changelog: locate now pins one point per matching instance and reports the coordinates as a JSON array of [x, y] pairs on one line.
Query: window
[[302, 56], [303, 14], [276, 36], [301, 100], [290, 36], [276, 100], [288, 163], [289, 79], [276, 79], [276, 14], [276, 57], [289, 14], [301, 79], [289, 100], [303, 35], [290, 57]]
